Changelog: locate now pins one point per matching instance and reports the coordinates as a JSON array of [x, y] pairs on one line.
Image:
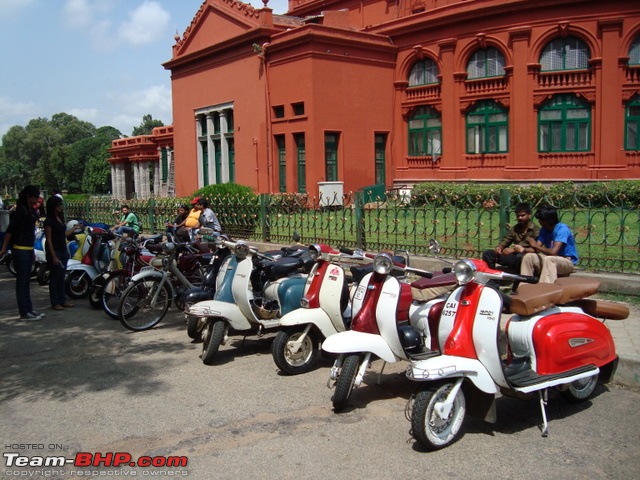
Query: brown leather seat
[[603, 309], [575, 288], [533, 298]]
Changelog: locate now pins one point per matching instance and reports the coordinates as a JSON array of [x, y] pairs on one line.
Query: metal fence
[[608, 237]]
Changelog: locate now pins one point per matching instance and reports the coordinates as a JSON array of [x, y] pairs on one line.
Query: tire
[[114, 287], [295, 363], [12, 267], [135, 310], [346, 381], [77, 284], [580, 390], [95, 292], [193, 327], [212, 335], [43, 273], [427, 427]]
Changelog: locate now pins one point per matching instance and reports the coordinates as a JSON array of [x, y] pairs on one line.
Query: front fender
[[313, 316], [89, 270], [448, 366], [215, 308], [354, 342], [147, 274]]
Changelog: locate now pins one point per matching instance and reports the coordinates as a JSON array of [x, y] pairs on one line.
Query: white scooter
[[386, 323], [325, 310], [253, 293], [553, 341]]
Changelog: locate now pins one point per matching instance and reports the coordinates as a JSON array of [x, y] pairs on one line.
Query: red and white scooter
[[387, 323], [553, 341], [325, 309]]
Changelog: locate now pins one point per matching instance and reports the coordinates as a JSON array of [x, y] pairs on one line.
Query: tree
[[147, 126]]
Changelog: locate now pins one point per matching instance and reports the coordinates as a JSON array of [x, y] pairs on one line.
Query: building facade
[[394, 92]]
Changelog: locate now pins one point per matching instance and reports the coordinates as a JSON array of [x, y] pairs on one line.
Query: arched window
[[488, 62], [423, 72], [487, 128], [564, 125], [632, 124], [565, 54], [425, 132], [634, 52]]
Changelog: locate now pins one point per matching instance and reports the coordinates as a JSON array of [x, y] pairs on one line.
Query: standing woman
[[56, 234], [21, 233]]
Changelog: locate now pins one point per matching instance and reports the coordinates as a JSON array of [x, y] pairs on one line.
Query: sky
[[99, 60]]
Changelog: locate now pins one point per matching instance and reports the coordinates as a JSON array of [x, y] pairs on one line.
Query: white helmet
[[72, 224]]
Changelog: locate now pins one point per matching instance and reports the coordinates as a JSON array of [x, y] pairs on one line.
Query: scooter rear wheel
[[427, 426], [580, 390], [346, 381], [43, 274]]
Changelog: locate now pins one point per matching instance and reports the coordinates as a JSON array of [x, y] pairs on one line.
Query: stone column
[[136, 178], [224, 154], [114, 181], [211, 154], [157, 179], [122, 179]]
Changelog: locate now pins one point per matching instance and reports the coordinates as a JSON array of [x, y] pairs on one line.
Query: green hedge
[[563, 195]]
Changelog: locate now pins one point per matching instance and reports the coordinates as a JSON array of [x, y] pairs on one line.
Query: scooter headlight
[[383, 264], [241, 250], [314, 251], [465, 271]]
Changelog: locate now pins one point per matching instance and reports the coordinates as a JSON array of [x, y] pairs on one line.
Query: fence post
[[151, 215], [87, 210], [361, 241], [505, 207], [264, 221]]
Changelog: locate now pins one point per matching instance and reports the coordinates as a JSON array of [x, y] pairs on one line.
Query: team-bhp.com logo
[[85, 459]]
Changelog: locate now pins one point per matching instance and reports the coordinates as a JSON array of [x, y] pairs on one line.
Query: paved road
[[79, 382]]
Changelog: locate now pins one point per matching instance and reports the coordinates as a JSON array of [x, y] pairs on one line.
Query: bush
[[562, 195], [236, 206]]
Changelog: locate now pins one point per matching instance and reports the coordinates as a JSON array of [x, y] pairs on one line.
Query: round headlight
[[465, 271], [383, 264], [315, 251], [241, 250]]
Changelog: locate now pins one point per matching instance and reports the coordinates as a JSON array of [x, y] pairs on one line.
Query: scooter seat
[[425, 289], [603, 309], [575, 288], [533, 298]]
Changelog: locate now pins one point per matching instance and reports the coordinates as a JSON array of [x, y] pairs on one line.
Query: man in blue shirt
[[554, 252]]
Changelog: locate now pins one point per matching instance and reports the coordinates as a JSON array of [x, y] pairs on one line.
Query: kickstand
[[543, 402], [380, 374]]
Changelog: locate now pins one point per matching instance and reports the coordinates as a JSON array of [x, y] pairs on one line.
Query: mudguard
[[89, 269], [354, 342], [448, 366], [314, 316], [228, 311], [147, 274]]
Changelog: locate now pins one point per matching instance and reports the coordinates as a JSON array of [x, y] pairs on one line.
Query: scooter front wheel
[[77, 284], [212, 335], [294, 361], [428, 426], [346, 381], [143, 304]]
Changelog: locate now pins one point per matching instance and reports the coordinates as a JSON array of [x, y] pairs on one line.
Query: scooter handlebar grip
[[346, 250], [530, 279]]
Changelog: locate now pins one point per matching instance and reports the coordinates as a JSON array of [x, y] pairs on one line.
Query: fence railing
[[608, 238]]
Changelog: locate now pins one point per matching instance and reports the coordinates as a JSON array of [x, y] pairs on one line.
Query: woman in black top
[[57, 252], [21, 234]]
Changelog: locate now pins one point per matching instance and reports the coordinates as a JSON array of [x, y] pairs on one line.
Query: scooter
[[553, 341], [387, 323], [253, 292], [325, 309], [96, 260]]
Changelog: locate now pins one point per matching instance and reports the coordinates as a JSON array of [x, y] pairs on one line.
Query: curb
[[628, 372]]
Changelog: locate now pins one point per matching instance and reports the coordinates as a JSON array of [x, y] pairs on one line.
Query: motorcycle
[[553, 340], [325, 309], [151, 292], [387, 322], [253, 291]]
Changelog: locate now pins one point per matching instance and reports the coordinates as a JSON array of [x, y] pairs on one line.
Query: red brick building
[[395, 92]]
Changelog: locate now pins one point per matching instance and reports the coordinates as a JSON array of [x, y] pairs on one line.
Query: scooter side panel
[[313, 316], [386, 315], [331, 293], [486, 329], [91, 271], [447, 366], [241, 288], [569, 340], [355, 342]]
